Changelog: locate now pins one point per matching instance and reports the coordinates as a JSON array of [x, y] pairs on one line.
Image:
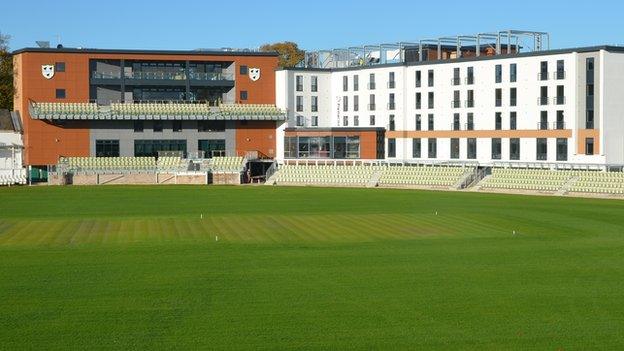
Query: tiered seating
[[249, 110], [169, 163], [599, 182], [65, 108], [160, 109], [227, 164], [326, 175], [528, 179], [109, 163], [12, 179], [422, 176]]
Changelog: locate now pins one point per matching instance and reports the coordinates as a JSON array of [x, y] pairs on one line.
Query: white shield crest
[[47, 71], [254, 74]]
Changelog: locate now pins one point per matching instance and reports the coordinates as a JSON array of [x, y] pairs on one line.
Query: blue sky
[[315, 24]]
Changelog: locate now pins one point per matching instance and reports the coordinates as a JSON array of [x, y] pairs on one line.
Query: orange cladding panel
[[255, 136]]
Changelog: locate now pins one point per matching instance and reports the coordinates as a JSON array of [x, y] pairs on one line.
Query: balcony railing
[[418, 105], [455, 81], [371, 86], [542, 100], [469, 126], [371, 107], [498, 102], [469, 103], [106, 75], [181, 75], [542, 125], [391, 106], [589, 124], [455, 126], [455, 103], [299, 108], [542, 75], [299, 87], [559, 125], [391, 85], [559, 75], [559, 100], [469, 80]]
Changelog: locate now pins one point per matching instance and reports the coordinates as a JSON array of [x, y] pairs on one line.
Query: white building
[[552, 106], [11, 149]]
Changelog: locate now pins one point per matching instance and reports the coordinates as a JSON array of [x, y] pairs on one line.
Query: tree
[[289, 53], [6, 74]]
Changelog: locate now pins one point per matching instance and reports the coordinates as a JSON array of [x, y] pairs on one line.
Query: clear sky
[[314, 24]]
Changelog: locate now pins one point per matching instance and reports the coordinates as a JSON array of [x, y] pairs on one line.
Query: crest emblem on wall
[[47, 71], [254, 74]]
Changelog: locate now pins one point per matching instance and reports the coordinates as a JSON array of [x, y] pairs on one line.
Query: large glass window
[[514, 149], [107, 148], [472, 148], [454, 148], [391, 147], [562, 149], [138, 126], [152, 147], [433, 148], [416, 148], [589, 146], [299, 83], [212, 147], [496, 149], [290, 147]]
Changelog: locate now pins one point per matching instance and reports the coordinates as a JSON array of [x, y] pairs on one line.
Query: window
[[356, 121], [314, 84], [314, 103], [560, 120], [562, 149], [107, 148], [418, 79], [60, 93], [59, 67], [498, 99], [470, 77], [589, 119], [456, 99], [157, 127], [496, 148], [345, 103], [391, 105], [150, 148], [498, 74], [560, 99], [589, 63], [391, 82], [345, 83], [210, 126], [243, 95], [299, 83], [589, 146], [371, 81], [356, 82], [371, 102], [543, 75], [138, 126], [454, 148], [391, 147], [430, 78], [498, 121], [472, 148], [542, 149], [371, 120], [430, 121], [456, 121], [470, 101], [391, 122], [514, 149], [543, 100], [513, 73], [470, 121], [300, 121], [456, 80], [513, 93], [418, 122], [560, 74], [299, 107], [418, 101], [543, 123], [243, 70], [416, 147], [433, 148], [513, 123], [211, 147], [430, 100], [356, 103], [314, 121], [345, 121], [177, 126]]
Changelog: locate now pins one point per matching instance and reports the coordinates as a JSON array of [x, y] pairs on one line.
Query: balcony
[[469, 80], [391, 106], [455, 126], [542, 75], [299, 87], [371, 107], [559, 125], [371, 86], [542, 125], [542, 100], [391, 85], [589, 124], [559, 75], [469, 103], [559, 100], [513, 102], [455, 103], [455, 81], [469, 126], [299, 108]]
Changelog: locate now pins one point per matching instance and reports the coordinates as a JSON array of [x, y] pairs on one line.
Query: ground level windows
[[107, 148], [151, 148], [211, 147]]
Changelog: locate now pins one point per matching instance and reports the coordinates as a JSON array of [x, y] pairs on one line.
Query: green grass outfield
[[307, 269]]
